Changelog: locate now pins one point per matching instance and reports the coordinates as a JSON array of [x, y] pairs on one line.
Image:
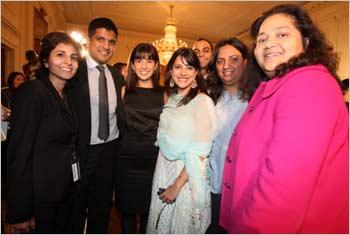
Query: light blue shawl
[[186, 133]]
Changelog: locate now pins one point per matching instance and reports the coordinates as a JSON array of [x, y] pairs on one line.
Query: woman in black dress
[[143, 100]]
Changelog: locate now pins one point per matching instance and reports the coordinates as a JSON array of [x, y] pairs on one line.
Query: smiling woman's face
[[229, 65], [62, 62], [19, 80], [277, 42], [183, 75]]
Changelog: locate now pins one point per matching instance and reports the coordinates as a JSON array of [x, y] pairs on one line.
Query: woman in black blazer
[[43, 132]]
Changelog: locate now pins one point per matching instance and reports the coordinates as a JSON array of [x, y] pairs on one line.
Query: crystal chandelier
[[168, 44]]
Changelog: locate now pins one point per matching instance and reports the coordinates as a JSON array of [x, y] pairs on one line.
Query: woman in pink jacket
[[286, 169]]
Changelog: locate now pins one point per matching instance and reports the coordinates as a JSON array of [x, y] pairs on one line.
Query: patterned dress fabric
[[184, 137]]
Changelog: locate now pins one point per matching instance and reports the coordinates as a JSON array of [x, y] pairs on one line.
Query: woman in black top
[[41, 144], [14, 80], [143, 100]]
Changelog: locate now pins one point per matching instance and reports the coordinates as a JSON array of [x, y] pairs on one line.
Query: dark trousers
[[58, 217], [97, 187], [129, 224], [4, 145], [214, 227]]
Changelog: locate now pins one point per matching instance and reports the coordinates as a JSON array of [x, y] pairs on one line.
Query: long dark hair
[[317, 51], [143, 51], [215, 85], [190, 58]]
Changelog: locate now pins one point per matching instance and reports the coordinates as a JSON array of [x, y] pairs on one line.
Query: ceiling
[[212, 20]]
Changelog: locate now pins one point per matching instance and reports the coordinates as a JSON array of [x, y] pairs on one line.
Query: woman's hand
[[5, 113], [170, 194], [24, 227]]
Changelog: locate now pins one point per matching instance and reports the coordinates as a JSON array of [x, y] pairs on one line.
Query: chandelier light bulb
[[168, 44], [79, 38]]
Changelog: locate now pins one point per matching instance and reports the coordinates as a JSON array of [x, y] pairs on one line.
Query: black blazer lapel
[[79, 95], [58, 100], [118, 83], [85, 92]]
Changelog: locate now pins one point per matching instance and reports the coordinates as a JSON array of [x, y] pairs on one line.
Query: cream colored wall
[[333, 19], [17, 28], [127, 40]]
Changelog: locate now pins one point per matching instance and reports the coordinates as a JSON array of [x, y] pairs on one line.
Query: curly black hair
[[317, 51]]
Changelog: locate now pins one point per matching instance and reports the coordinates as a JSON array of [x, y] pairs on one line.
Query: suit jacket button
[[227, 185], [228, 159]]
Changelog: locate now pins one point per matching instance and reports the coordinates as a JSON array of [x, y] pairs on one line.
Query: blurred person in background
[[122, 68], [204, 50], [14, 80], [30, 68]]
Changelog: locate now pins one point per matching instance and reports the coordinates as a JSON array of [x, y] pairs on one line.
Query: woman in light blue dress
[[180, 193]]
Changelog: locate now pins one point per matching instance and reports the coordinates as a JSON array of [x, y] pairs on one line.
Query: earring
[[171, 84], [306, 42], [194, 84]]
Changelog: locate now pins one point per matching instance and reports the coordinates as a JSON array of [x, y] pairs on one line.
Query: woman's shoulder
[[31, 89], [314, 83], [159, 89], [312, 76], [30, 85], [203, 98], [303, 79], [5, 90], [201, 102], [310, 71]]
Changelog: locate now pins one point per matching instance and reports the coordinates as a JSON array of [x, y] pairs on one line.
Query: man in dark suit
[[96, 99]]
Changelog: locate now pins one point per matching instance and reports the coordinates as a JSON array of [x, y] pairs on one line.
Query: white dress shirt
[[229, 110], [93, 76]]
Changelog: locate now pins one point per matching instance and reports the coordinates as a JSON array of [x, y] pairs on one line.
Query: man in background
[[30, 68], [204, 50]]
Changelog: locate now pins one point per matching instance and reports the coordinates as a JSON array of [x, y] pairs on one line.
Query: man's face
[[102, 45], [34, 59], [203, 51]]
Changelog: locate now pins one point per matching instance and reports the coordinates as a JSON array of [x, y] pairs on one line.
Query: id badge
[[76, 171], [75, 167]]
